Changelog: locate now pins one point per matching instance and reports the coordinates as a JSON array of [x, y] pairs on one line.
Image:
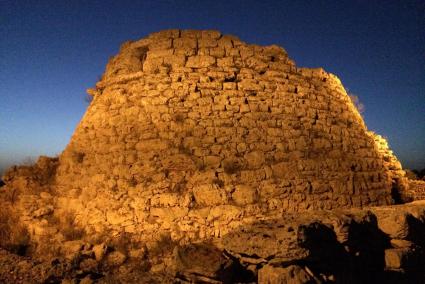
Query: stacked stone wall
[[196, 133], [401, 189]]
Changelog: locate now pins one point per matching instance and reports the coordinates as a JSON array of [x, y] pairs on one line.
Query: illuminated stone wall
[[197, 133]]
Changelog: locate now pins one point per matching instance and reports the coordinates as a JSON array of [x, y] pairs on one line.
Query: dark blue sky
[[51, 51]]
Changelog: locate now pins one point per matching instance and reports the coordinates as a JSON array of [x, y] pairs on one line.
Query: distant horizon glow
[[51, 52]]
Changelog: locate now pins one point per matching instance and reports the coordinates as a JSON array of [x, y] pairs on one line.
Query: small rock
[[396, 225], [137, 253], [100, 251], [397, 258], [205, 260], [292, 274], [43, 211], [158, 268], [244, 195], [88, 265], [86, 280], [115, 258], [45, 195], [71, 249]]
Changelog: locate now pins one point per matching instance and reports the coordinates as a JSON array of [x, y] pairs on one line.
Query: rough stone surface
[[292, 274], [414, 191], [201, 137], [201, 262], [115, 258], [183, 123]]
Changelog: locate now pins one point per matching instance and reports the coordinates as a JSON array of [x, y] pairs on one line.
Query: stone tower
[[197, 133]]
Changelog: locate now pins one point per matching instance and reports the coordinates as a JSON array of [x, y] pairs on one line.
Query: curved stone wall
[[196, 133]]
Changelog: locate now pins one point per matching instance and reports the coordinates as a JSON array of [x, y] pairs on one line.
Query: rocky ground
[[20, 269], [384, 244]]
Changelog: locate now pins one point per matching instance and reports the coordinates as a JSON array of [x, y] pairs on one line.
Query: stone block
[[203, 51], [250, 85], [225, 213], [397, 258], [116, 258], [200, 61], [100, 251], [257, 64], [218, 52], [195, 261], [244, 108], [212, 161], [175, 60], [160, 44], [229, 86], [225, 62], [168, 215], [115, 218], [165, 199], [47, 210], [244, 195], [395, 224], [246, 52], [209, 195], [281, 169], [210, 34], [152, 65], [151, 54], [186, 51], [254, 159], [225, 42], [185, 42], [71, 249], [292, 274], [207, 42], [253, 176], [151, 144], [190, 33]]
